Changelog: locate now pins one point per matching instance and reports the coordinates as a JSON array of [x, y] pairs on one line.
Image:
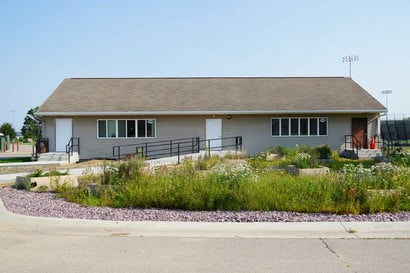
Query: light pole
[[349, 59], [387, 92]]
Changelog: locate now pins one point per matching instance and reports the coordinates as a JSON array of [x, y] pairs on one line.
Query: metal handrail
[[208, 147], [73, 144], [174, 147], [355, 144]]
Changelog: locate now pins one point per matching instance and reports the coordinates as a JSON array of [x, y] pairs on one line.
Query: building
[[265, 111]]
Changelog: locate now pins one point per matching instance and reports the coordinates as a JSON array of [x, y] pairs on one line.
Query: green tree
[[7, 129], [32, 125]]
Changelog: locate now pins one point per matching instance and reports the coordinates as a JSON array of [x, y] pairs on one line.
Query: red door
[[359, 131]]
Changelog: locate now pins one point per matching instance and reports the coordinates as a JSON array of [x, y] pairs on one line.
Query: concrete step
[[58, 157], [54, 156], [368, 153]]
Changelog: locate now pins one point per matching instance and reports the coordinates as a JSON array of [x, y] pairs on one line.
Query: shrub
[[399, 158], [324, 152], [302, 160], [278, 150], [208, 162], [115, 174]]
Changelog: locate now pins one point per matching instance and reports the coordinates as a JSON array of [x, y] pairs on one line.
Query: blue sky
[[43, 42]]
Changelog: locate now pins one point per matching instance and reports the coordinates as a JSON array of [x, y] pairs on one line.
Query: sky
[[44, 42]]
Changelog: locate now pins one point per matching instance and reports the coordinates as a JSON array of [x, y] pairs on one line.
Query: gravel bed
[[49, 205]]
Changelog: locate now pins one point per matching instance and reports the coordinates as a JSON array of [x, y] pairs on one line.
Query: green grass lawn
[[15, 160]]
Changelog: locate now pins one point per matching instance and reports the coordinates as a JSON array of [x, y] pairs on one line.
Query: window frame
[[291, 129], [151, 121]]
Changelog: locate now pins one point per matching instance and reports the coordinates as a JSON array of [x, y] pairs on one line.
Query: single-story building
[[265, 111]]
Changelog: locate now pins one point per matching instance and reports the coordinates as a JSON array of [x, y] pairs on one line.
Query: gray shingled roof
[[96, 96]]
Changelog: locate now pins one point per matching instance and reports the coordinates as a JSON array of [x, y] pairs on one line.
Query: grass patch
[[15, 160], [41, 173]]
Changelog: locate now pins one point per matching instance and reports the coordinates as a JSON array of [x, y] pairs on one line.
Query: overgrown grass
[[252, 186]]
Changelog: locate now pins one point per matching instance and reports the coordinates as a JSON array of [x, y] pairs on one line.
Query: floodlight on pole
[[349, 59], [387, 92]]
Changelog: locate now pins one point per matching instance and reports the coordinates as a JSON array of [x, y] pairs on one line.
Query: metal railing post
[[170, 148], [192, 145], [178, 154], [236, 144]]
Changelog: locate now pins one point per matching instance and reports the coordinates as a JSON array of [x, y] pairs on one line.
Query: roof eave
[[224, 112]]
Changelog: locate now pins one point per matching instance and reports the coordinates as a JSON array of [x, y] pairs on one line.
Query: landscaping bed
[[249, 184], [50, 205]]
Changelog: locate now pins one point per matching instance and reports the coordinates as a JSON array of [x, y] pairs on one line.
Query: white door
[[64, 132], [214, 134]]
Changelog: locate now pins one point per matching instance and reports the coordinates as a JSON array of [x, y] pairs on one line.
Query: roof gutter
[[225, 112]]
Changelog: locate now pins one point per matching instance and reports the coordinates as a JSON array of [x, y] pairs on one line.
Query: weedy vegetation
[[253, 183]]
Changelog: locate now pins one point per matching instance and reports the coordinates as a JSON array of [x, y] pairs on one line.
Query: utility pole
[[349, 59]]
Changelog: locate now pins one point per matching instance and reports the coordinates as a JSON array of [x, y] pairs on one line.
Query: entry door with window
[[359, 130], [64, 132], [214, 134]]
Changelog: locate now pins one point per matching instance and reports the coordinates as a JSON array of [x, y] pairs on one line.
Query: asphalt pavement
[[47, 245]]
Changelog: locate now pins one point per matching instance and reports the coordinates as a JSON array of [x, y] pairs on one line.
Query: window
[[111, 128], [313, 126], [122, 128], [284, 127], [140, 128], [151, 128], [130, 128], [102, 128], [299, 126], [275, 127], [294, 126], [323, 126], [303, 126]]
